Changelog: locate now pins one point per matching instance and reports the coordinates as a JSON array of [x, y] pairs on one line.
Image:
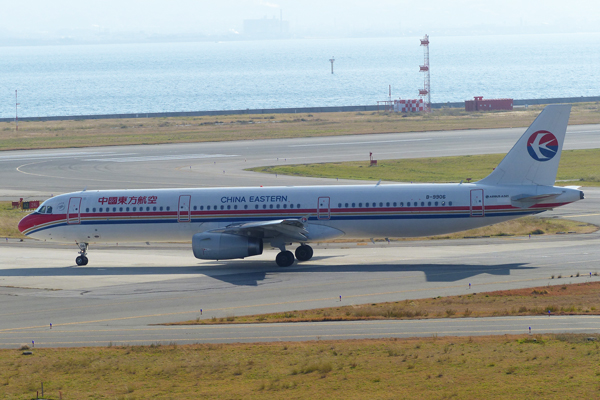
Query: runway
[[66, 336], [125, 289], [130, 288], [38, 174]]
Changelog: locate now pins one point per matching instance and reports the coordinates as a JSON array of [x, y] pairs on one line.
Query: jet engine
[[223, 246]]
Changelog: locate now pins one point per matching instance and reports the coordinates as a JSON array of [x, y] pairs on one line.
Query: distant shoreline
[[291, 110]]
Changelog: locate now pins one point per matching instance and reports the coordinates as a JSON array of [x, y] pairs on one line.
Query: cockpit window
[[49, 210], [42, 209]]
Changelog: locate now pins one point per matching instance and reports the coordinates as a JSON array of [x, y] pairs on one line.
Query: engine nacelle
[[223, 246]]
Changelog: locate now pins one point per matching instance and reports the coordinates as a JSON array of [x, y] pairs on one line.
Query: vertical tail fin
[[534, 159]]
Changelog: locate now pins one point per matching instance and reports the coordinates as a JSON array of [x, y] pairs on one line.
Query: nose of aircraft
[[25, 223]]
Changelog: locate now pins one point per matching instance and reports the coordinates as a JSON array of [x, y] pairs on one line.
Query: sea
[[171, 77]]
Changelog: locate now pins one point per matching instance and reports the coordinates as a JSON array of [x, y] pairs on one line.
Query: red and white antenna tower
[[426, 92]]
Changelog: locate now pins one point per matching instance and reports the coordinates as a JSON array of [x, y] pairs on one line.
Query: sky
[[123, 20]]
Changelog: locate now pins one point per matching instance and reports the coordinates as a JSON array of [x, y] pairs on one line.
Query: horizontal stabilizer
[[526, 201]]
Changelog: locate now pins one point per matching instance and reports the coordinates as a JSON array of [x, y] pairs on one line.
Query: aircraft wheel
[[85, 260], [80, 260], [284, 259], [304, 253]]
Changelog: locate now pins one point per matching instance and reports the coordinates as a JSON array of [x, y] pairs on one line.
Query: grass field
[[9, 219], [566, 299], [502, 367], [82, 133], [577, 167]]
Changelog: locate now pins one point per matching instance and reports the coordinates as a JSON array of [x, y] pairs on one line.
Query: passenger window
[[126, 208], [228, 207], [235, 207], [443, 203], [256, 206], [245, 206], [291, 206], [450, 203], [121, 209], [154, 208], [114, 209], [436, 203], [298, 206], [271, 206], [422, 204], [429, 204], [168, 208], [87, 210], [264, 206], [346, 205], [285, 206], [339, 205], [367, 204], [94, 209], [353, 204]]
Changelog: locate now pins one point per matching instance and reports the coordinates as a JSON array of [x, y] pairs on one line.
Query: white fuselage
[[328, 212]]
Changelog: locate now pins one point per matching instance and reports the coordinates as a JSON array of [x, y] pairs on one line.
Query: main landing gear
[[304, 252], [286, 258], [82, 257]]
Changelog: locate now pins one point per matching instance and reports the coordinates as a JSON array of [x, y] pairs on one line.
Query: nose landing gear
[[82, 258]]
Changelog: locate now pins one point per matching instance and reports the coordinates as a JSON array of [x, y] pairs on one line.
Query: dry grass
[[567, 299], [502, 367], [83, 133], [9, 219], [525, 226]]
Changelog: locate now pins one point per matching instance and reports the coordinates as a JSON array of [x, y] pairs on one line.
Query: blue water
[[138, 78]]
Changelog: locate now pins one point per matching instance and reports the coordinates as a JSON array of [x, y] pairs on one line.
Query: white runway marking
[[54, 156], [161, 158], [358, 143]]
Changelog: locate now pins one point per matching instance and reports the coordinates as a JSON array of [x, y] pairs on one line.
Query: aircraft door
[[184, 209], [323, 210], [74, 211], [477, 204]]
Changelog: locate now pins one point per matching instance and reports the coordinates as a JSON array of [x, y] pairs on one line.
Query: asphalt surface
[[37, 174], [125, 290]]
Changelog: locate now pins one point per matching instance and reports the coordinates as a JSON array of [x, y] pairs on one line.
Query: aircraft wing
[[290, 228]]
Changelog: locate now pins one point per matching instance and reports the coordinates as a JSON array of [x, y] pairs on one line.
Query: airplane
[[236, 222]]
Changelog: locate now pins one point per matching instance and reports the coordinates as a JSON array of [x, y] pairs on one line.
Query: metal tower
[[426, 92]]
